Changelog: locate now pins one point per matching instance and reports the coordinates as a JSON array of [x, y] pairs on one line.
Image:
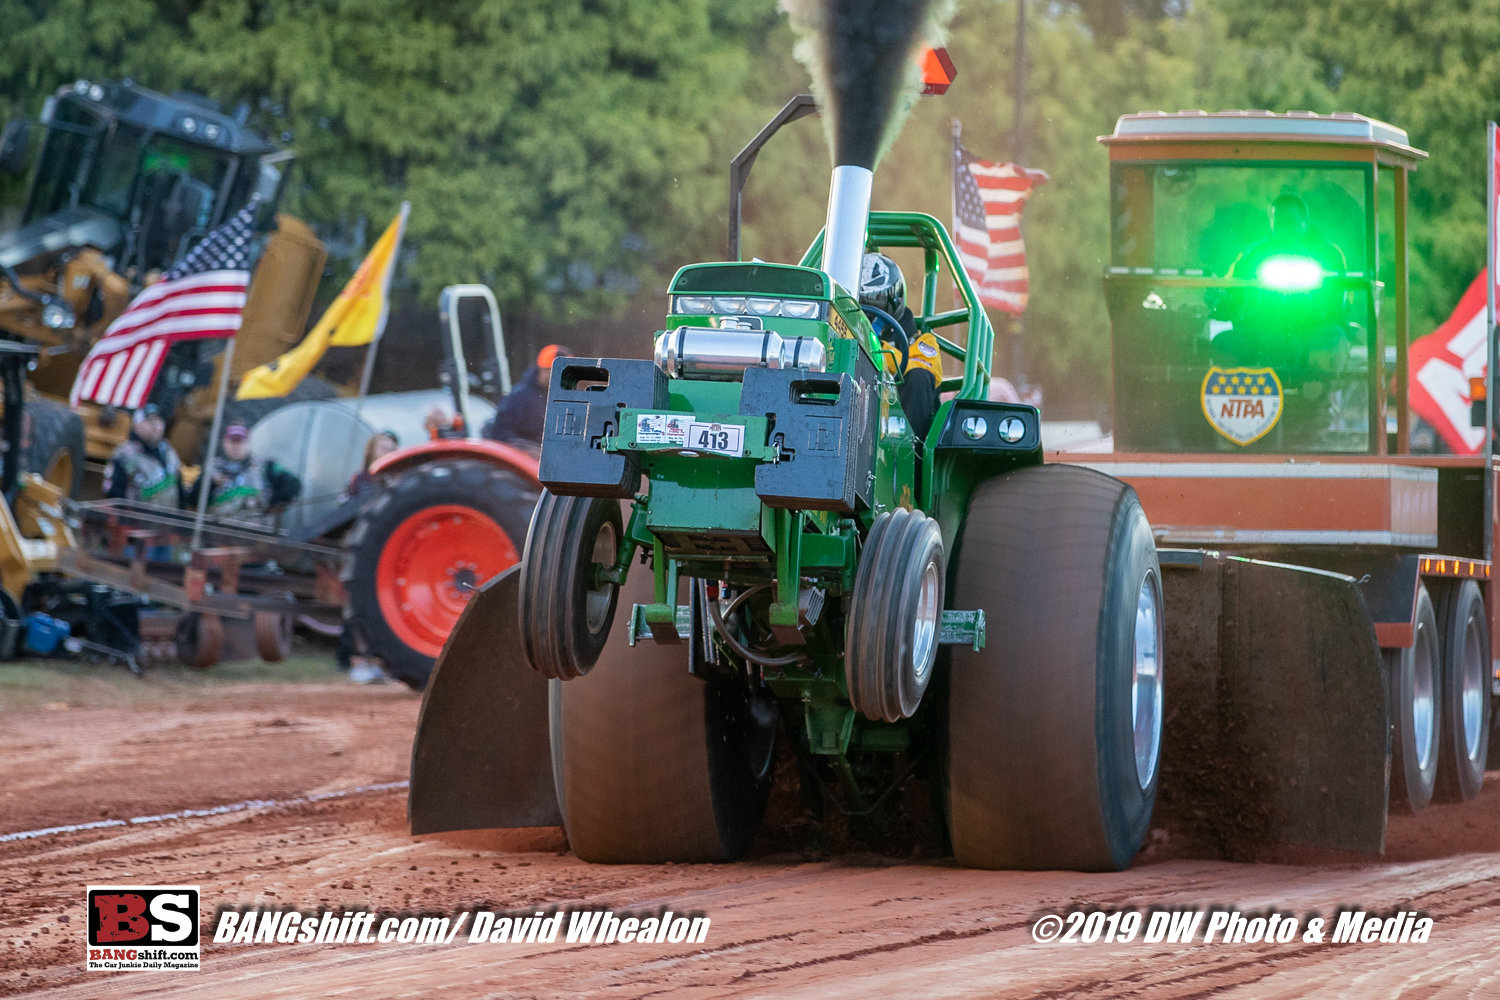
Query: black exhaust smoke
[[860, 54]]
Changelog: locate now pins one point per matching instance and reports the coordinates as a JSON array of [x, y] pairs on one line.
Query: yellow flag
[[354, 319]]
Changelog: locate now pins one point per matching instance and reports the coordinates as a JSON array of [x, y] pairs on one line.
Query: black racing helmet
[[881, 284]]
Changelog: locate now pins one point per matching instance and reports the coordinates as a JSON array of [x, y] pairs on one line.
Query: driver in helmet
[[882, 287]]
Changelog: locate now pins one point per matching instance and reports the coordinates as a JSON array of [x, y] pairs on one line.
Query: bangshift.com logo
[[139, 928]]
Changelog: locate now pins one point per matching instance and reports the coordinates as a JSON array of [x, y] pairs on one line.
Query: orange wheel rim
[[430, 567]]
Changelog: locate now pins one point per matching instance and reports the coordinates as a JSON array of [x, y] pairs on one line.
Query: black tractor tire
[[1416, 679], [654, 765], [489, 495], [1044, 769], [565, 619], [55, 448], [1466, 693], [891, 632]]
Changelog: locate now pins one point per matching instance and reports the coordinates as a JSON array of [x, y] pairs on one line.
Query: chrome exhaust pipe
[[848, 217]]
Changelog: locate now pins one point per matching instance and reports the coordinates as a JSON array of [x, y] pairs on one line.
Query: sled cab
[[1257, 282]]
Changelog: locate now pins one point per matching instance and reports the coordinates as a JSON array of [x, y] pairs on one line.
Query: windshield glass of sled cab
[[1241, 298], [1226, 220]]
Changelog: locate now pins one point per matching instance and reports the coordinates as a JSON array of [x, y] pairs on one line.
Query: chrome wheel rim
[[924, 636], [1473, 688], [1146, 681], [596, 600], [1423, 698]]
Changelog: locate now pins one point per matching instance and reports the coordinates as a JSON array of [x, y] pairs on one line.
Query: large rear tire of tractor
[[55, 447], [1054, 728], [652, 764], [565, 613], [891, 633], [1416, 679], [437, 533], [1465, 692]]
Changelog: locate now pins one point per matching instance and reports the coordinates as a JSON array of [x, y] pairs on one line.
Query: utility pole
[[1018, 156]]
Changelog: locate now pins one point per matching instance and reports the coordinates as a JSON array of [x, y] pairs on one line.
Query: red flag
[[1441, 365]]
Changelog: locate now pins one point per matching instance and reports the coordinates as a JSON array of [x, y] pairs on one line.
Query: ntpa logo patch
[[1243, 404], [142, 927]]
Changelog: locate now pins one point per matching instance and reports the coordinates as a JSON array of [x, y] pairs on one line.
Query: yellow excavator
[[109, 185]]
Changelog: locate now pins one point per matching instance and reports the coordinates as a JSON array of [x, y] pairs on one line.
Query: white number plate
[[721, 439]]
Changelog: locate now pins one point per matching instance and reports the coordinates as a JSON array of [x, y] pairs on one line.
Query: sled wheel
[[565, 612], [1416, 678], [1465, 694], [273, 631], [436, 534], [200, 639], [891, 633], [55, 447], [1055, 726], [653, 765]]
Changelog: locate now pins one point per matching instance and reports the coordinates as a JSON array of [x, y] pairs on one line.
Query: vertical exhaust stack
[[844, 233], [860, 54]]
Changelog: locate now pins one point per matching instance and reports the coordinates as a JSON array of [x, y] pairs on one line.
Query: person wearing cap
[[243, 489], [145, 467], [520, 416]]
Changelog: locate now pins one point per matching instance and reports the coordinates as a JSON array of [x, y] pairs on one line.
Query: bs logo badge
[[142, 927], [1243, 404]]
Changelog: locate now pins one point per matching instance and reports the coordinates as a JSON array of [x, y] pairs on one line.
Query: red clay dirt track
[[856, 925]]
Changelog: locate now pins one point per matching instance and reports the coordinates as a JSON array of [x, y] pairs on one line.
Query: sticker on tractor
[[660, 428], [1243, 404], [721, 439]]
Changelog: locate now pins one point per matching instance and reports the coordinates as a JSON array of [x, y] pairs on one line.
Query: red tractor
[[448, 513]]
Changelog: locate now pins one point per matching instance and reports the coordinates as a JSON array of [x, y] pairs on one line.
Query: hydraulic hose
[[736, 646]]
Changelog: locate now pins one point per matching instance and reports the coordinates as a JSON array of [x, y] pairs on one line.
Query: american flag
[[987, 202], [203, 295]]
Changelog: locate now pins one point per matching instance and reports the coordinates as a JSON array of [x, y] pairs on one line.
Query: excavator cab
[[139, 175], [110, 185], [1257, 281]]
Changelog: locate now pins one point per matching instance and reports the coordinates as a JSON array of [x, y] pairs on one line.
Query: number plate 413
[[720, 439]]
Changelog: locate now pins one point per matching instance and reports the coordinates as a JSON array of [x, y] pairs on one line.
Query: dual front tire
[[891, 633], [566, 607]]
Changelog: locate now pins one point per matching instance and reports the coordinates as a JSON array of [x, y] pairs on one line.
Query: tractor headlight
[[801, 309], [734, 305], [1290, 274], [694, 305]]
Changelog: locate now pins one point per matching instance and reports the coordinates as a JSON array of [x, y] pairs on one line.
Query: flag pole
[[958, 156], [204, 483], [385, 311]]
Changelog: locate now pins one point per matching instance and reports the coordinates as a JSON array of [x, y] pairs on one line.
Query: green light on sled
[[1290, 274]]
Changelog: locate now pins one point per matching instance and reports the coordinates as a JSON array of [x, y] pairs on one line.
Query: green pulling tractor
[[745, 534]]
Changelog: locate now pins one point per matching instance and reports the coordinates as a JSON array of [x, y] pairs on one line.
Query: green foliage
[[559, 150], [1428, 67]]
